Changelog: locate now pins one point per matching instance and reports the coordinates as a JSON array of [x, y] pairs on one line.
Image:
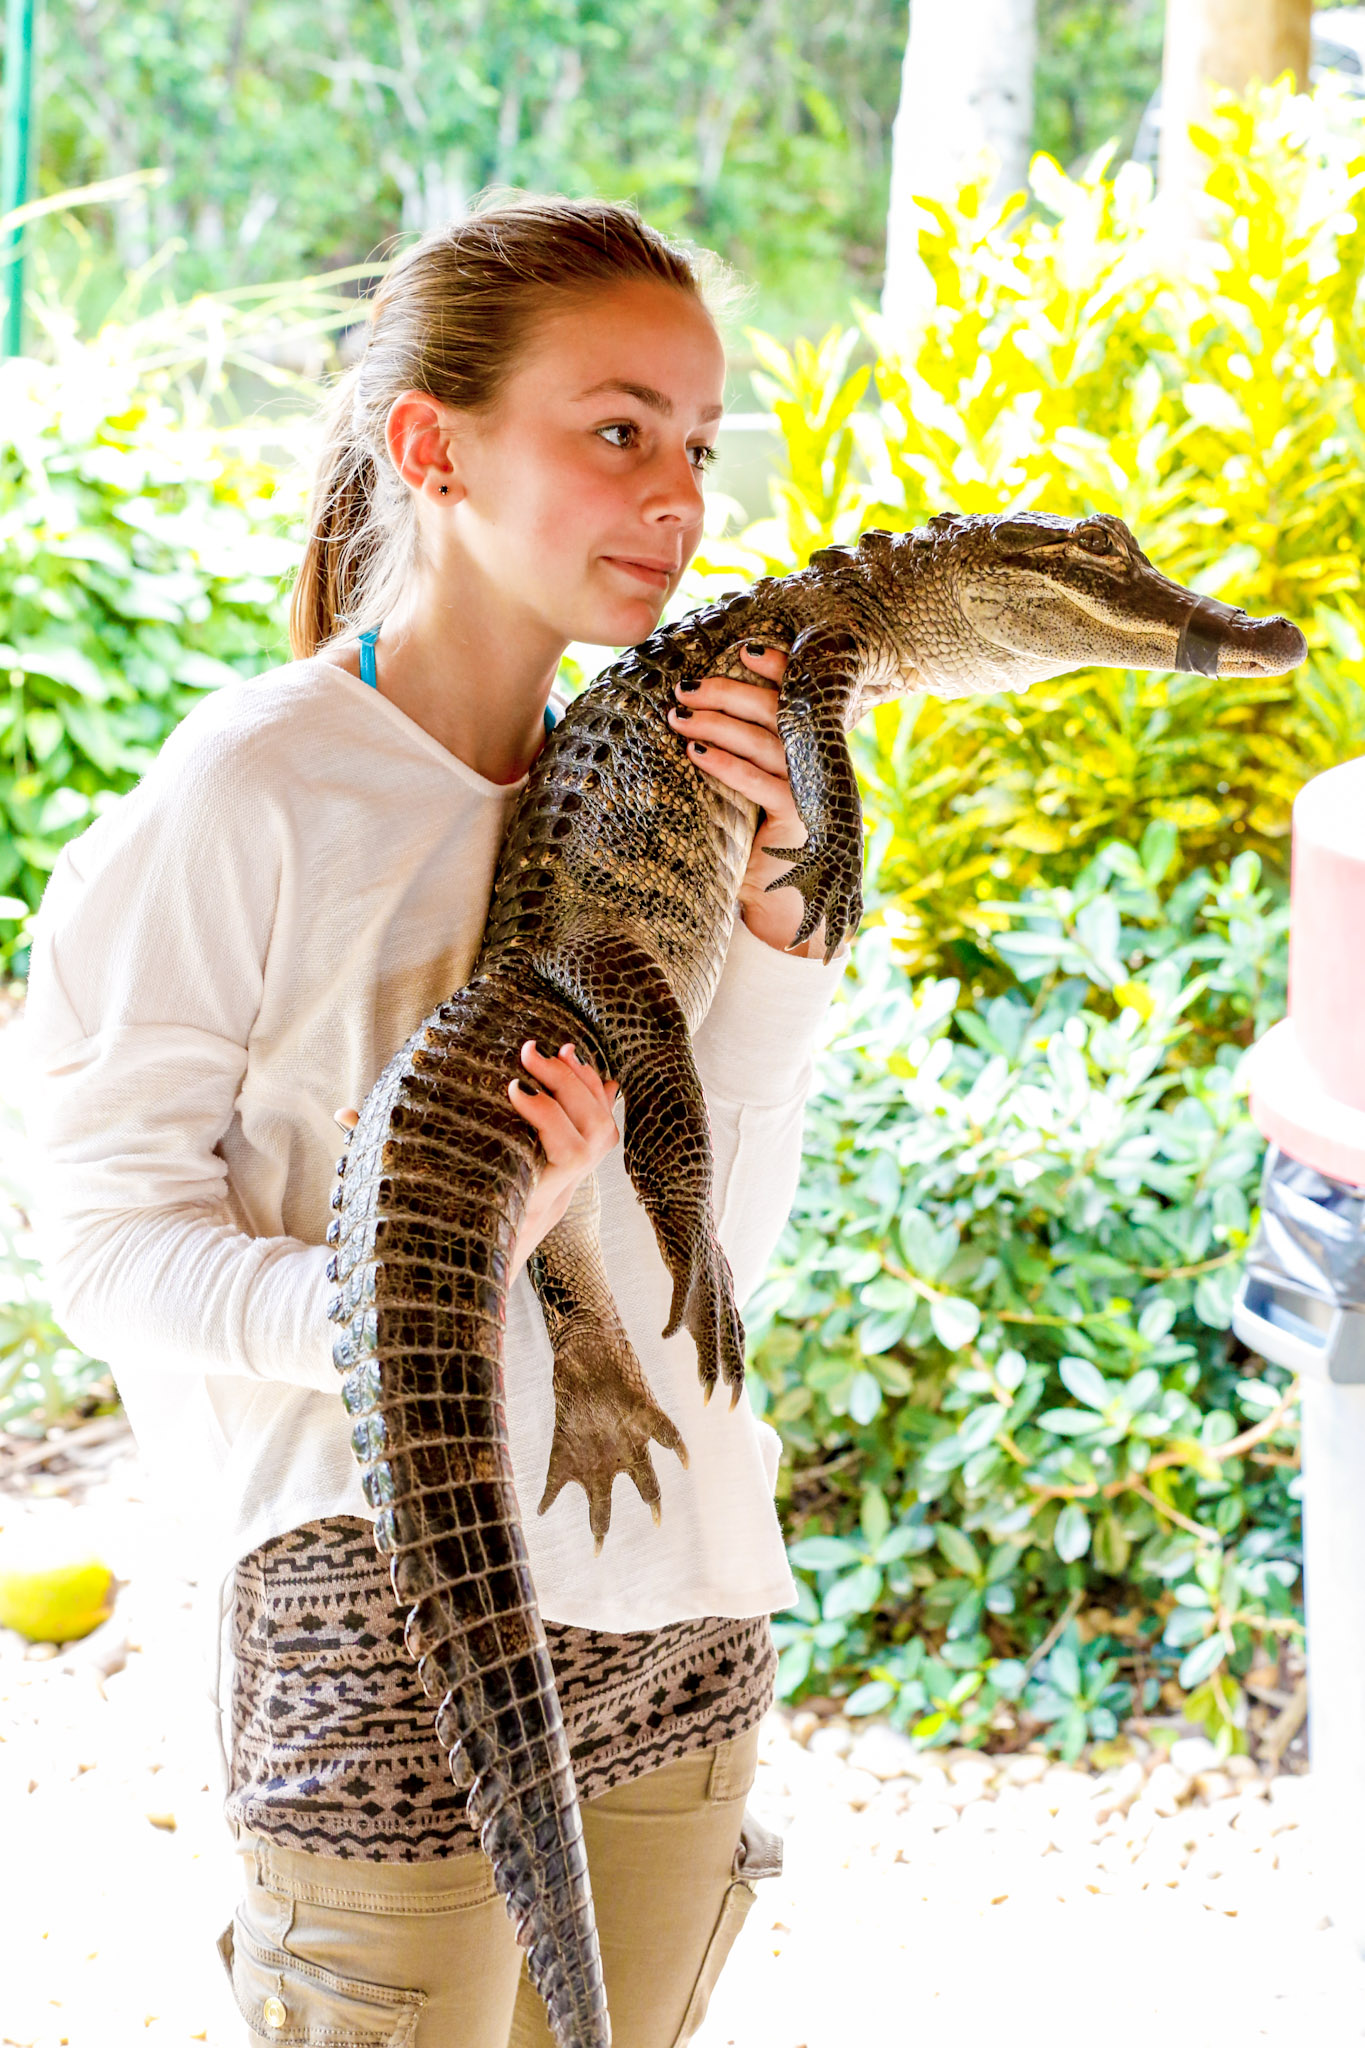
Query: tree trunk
[[1220, 43], [966, 105]]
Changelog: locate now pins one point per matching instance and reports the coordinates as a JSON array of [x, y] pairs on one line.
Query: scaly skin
[[609, 921]]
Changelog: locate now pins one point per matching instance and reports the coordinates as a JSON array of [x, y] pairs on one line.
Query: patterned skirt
[[333, 1743]]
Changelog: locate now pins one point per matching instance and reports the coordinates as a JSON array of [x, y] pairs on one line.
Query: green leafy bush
[[995, 1339], [44, 1379], [1069, 358], [141, 563]]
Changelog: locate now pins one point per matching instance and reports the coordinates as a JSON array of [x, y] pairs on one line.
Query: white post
[[966, 105], [1334, 1586], [1228, 43], [1298, 1306]]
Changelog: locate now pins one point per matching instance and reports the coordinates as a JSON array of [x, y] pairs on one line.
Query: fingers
[[765, 660], [753, 703], [568, 1103], [702, 724], [730, 730], [772, 792]]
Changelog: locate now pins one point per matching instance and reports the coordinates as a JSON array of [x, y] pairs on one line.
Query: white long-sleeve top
[[226, 957]]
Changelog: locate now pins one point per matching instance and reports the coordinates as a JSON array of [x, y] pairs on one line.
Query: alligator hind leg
[[620, 988], [605, 1414]]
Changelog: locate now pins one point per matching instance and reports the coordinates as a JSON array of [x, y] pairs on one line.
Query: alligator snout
[[1268, 647], [1219, 640]]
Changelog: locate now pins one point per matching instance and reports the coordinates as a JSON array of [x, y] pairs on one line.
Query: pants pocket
[[758, 1852], [301, 2005], [734, 1911]]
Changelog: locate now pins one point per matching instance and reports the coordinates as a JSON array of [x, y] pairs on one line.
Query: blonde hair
[[450, 319]]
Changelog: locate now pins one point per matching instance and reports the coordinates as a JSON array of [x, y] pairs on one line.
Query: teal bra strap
[[368, 673]]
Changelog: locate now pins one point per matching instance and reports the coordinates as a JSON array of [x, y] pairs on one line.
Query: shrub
[[44, 1379], [995, 1339], [140, 564]]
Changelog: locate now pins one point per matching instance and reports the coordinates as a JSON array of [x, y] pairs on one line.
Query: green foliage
[[995, 1339], [763, 131], [140, 564], [44, 1379], [1216, 405], [299, 137], [1098, 65]]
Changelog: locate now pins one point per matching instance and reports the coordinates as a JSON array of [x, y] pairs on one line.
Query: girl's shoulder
[[230, 769], [261, 719]]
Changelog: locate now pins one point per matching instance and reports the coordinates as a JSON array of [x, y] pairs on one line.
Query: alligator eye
[[1096, 541]]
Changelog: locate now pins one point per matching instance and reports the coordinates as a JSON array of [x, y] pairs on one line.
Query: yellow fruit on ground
[[55, 1603]]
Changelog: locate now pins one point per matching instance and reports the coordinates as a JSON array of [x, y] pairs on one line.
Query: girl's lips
[[648, 572]]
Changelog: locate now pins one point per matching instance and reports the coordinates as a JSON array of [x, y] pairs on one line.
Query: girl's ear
[[420, 437]]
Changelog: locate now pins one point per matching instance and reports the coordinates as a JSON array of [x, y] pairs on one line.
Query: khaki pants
[[422, 1955]]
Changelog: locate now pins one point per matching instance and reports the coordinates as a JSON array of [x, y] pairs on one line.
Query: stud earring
[[443, 490]]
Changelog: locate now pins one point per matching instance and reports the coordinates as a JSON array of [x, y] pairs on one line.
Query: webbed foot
[[605, 1420]]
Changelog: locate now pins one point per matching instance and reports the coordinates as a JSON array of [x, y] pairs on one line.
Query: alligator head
[[1000, 603]]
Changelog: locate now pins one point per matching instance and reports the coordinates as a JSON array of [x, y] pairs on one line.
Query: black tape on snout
[[1201, 637]]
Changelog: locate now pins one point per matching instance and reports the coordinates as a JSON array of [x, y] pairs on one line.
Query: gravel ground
[[926, 1898]]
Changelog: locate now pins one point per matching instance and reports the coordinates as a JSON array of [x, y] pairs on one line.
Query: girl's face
[[579, 493]]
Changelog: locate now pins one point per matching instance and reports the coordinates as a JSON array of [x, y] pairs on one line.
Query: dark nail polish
[[682, 711], [547, 1052], [755, 647], [698, 746], [526, 1087], [692, 683]]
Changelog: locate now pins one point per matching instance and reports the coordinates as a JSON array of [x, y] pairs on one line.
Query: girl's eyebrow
[[657, 401]]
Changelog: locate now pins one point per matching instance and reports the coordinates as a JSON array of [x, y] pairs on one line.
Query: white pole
[[1212, 43], [1298, 1301], [1334, 1587], [966, 106]]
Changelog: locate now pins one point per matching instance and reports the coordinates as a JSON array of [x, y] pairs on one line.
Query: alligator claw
[[605, 1419], [831, 888], [704, 1302]]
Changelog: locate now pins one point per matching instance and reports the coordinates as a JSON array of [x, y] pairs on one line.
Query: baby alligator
[[610, 916]]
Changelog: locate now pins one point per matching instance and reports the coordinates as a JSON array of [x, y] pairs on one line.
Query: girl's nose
[[675, 491]]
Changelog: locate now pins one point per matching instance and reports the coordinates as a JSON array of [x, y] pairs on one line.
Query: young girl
[[228, 959]]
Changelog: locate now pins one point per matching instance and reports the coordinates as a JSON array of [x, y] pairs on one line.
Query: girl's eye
[[625, 434]]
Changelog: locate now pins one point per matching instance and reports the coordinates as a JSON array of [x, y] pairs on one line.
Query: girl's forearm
[[776, 920]]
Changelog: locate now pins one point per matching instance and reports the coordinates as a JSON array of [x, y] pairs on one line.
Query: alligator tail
[[434, 1186]]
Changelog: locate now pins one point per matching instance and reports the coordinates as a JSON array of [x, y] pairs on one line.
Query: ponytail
[[339, 526]]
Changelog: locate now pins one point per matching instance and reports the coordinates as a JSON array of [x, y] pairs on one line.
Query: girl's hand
[[571, 1112], [730, 727], [572, 1115]]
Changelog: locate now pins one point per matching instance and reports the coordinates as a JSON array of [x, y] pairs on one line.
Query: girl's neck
[[470, 674]]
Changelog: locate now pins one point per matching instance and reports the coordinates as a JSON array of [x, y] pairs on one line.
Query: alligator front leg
[[815, 695], [620, 988], [605, 1414]]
